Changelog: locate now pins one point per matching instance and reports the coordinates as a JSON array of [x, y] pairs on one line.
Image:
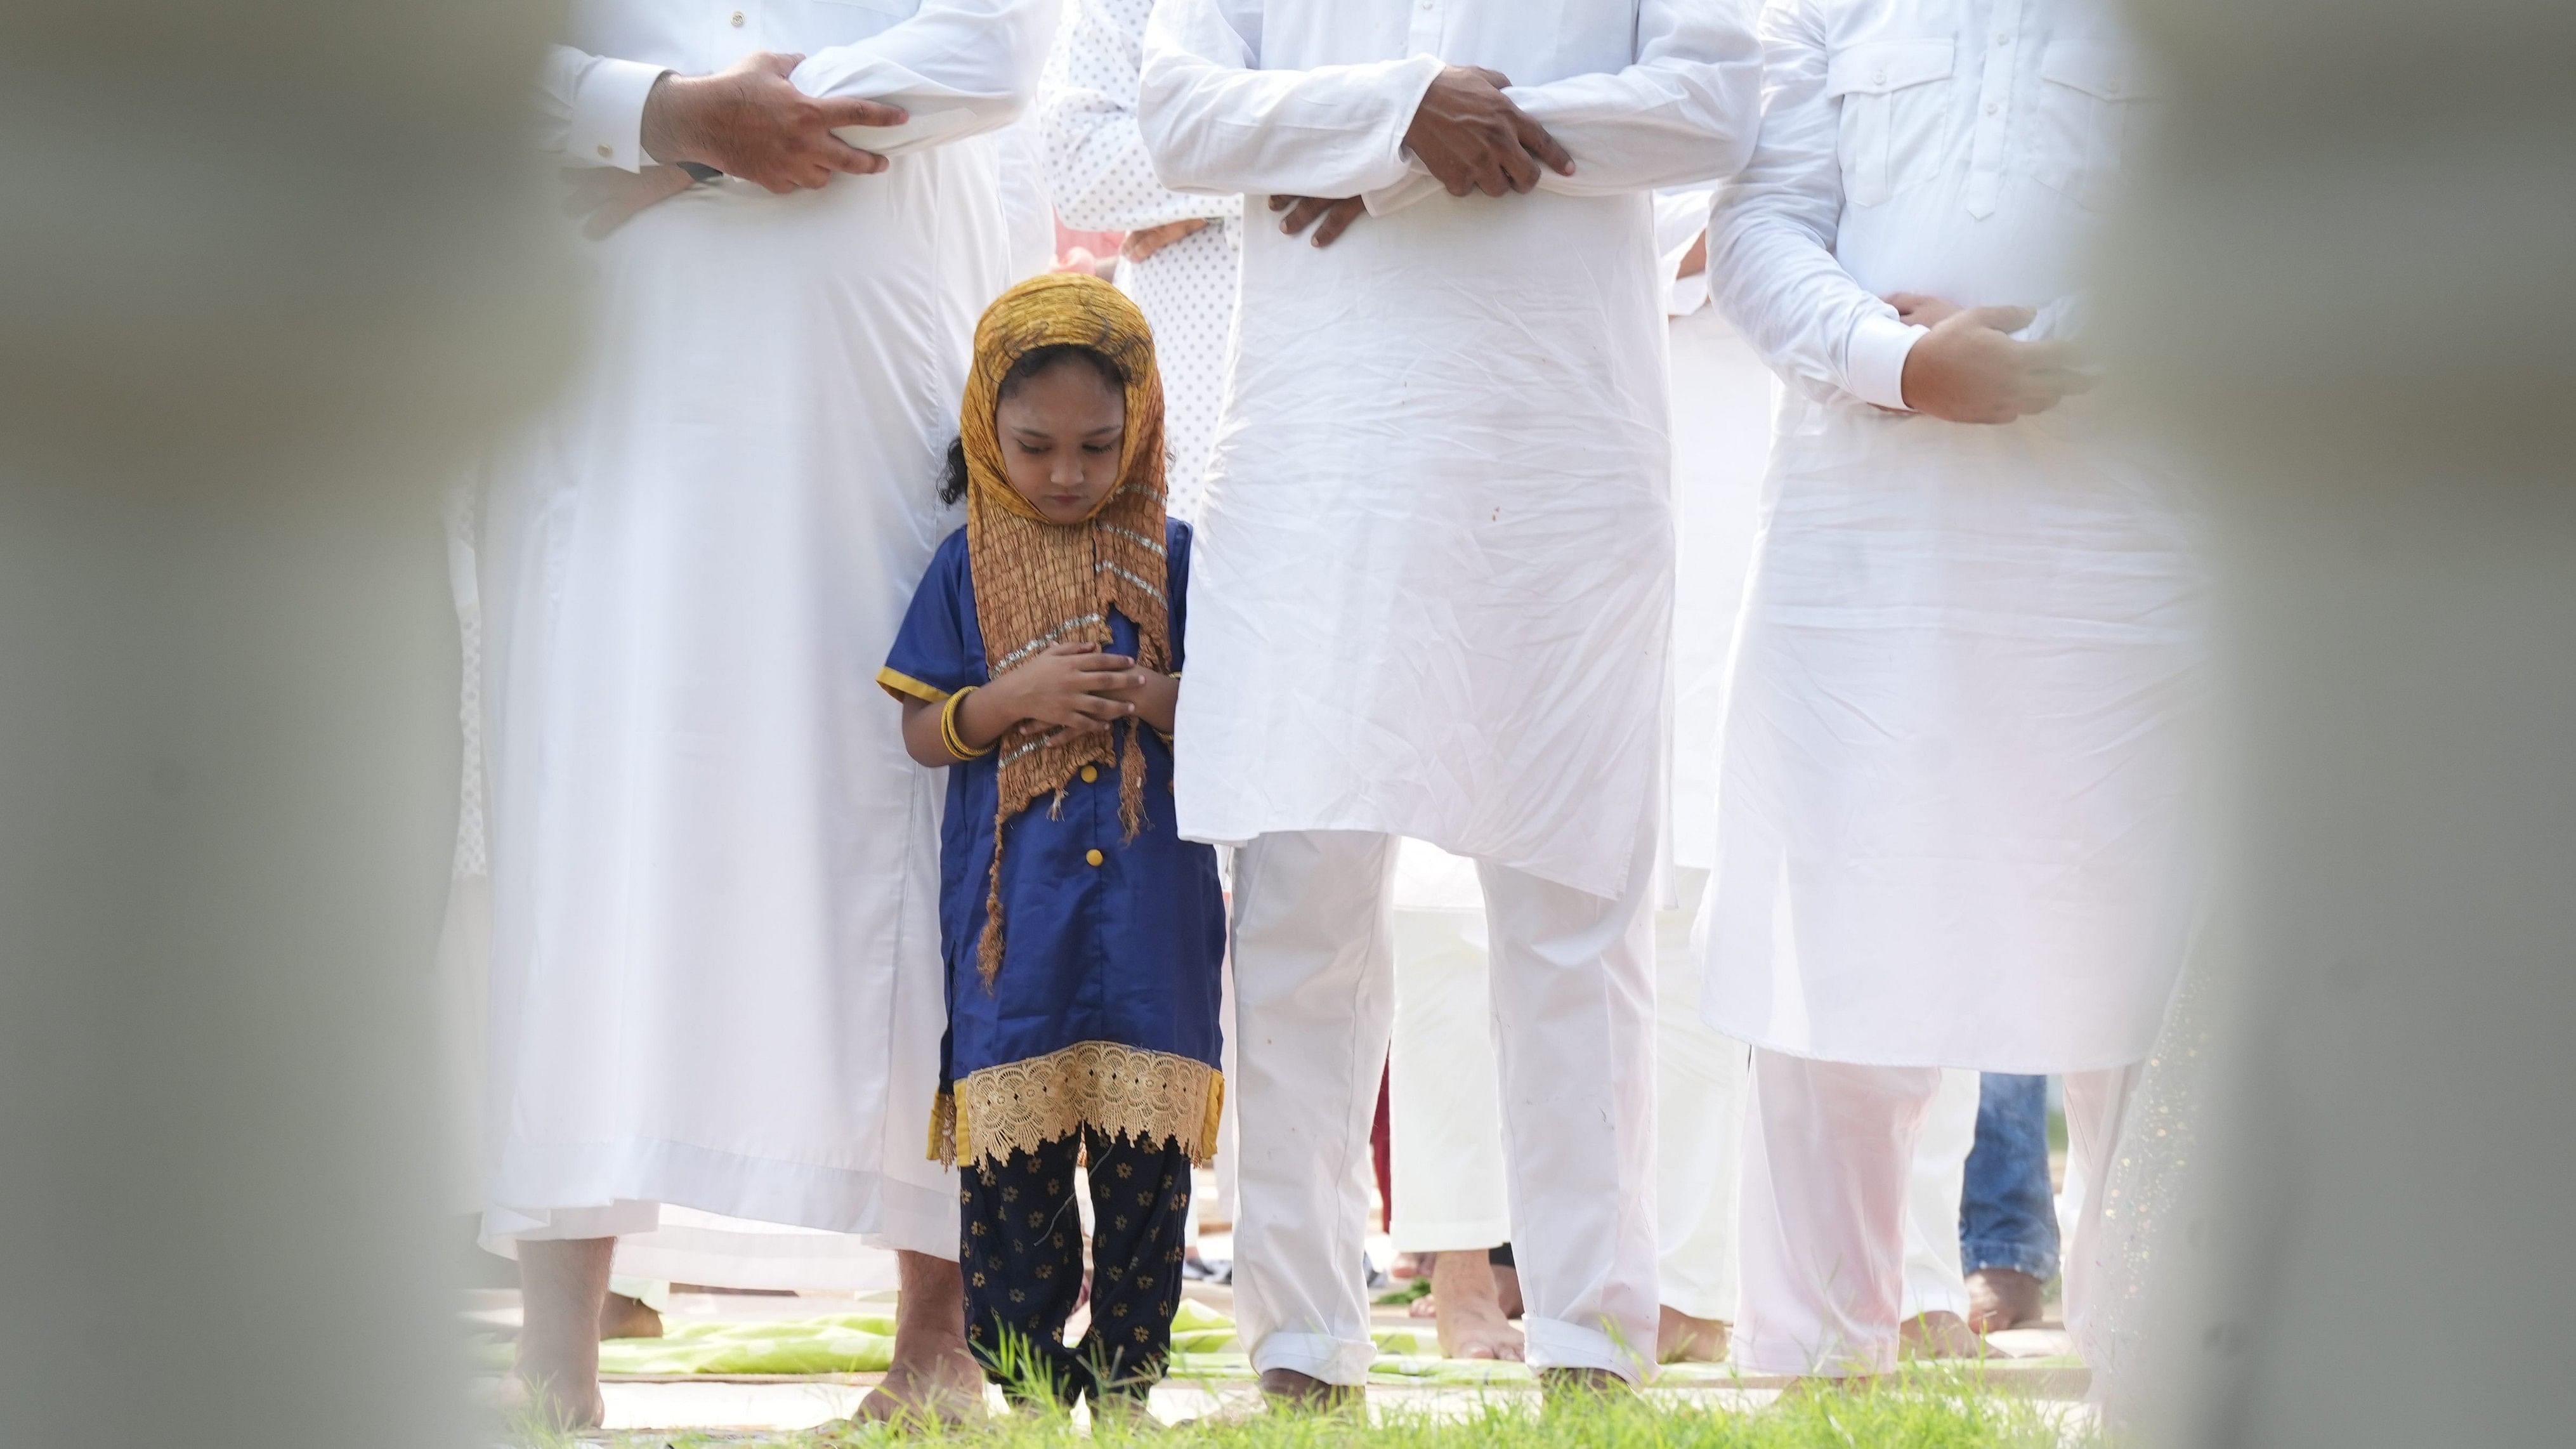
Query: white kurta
[[1028, 203], [1434, 571], [1104, 182], [715, 979], [1952, 803], [1722, 405]]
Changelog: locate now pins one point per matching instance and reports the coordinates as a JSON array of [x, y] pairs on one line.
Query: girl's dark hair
[[952, 479]]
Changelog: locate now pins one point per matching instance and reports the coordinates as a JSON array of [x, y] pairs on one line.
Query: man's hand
[[1142, 244], [1470, 136], [1303, 212], [1915, 309], [1968, 371], [607, 198], [750, 122]]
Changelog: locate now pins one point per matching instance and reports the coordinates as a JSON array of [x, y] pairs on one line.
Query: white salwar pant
[[1444, 1091], [1827, 1181], [1572, 1020], [1445, 1117]]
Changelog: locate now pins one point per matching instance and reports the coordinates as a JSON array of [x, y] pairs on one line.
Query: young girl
[[1039, 665]]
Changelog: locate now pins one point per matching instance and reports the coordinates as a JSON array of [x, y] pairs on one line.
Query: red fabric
[[1381, 1147]]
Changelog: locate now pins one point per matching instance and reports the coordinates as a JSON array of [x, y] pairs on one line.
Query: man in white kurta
[[1952, 802], [1445, 1112], [715, 981], [1432, 598], [1184, 254]]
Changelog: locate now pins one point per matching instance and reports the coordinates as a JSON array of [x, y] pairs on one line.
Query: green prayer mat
[[1204, 1347]]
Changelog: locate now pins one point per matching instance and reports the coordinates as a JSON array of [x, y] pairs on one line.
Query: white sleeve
[[1685, 111], [590, 109], [961, 67], [1095, 155], [1771, 236], [1214, 122]]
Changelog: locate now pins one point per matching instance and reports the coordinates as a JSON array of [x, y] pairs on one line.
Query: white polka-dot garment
[[1097, 168]]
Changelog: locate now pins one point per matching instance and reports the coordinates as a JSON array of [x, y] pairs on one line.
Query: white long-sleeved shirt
[[959, 66], [1313, 97], [1960, 148], [1434, 571]]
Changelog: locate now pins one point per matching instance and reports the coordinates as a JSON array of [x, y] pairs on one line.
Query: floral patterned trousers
[[1021, 1253]]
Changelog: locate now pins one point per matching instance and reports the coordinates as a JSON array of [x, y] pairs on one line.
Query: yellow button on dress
[[1092, 856]]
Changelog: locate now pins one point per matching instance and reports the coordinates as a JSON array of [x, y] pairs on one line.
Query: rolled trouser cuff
[[1978, 1257], [1555, 1344]]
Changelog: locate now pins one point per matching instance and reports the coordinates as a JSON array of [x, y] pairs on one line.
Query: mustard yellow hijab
[[1037, 583]]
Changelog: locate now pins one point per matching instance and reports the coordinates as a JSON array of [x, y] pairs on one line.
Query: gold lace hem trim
[[1146, 1096]]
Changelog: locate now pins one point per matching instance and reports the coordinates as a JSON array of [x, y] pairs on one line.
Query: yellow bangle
[[948, 728]]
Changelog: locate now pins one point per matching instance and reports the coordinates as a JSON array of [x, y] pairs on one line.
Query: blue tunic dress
[[1104, 1012]]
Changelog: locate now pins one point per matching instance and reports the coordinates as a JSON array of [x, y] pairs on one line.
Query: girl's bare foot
[[1470, 1311], [1940, 1334], [1130, 1412], [1680, 1338]]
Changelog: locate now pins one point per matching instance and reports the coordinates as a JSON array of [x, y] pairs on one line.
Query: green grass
[[1911, 1415]]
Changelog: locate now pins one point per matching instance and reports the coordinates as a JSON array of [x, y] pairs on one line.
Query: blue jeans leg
[[2006, 1216]]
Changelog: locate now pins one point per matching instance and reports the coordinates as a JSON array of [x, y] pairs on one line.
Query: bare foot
[[1305, 1393], [1809, 1386], [624, 1317], [2001, 1298], [1940, 1334], [1595, 1385], [1470, 1316], [562, 1285], [933, 1376], [940, 1385], [1128, 1411], [1507, 1289], [1680, 1338]]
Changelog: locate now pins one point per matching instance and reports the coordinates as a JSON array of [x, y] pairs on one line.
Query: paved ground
[[2032, 1361]]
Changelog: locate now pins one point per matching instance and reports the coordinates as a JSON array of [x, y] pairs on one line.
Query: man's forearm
[[1213, 123]]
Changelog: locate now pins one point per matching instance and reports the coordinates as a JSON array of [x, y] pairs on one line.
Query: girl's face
[[1063, 432]]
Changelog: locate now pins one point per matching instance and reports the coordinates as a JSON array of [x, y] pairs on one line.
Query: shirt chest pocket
[[2093, 108], [1894, 101]]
